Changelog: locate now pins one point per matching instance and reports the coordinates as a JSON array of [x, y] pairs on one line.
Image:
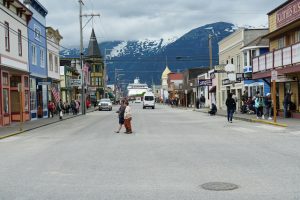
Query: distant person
[[268, 106], [60, 108], [259, 105], [213, 109], [231, 106], [202, 101], [127, 118], [286, 104]]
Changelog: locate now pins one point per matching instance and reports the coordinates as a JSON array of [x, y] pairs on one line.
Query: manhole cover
[[219, 186]]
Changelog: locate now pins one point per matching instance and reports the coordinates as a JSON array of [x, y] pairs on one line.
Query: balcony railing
[[278, 58]]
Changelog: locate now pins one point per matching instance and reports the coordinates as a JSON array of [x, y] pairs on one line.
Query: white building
[[53, 39]]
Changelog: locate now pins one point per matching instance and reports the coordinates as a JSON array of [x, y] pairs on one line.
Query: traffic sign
[[274, 75]]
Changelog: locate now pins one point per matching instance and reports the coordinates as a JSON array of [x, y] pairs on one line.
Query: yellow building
[[284, 56]]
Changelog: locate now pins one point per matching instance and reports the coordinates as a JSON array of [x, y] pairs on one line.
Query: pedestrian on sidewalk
[[286, 104], [50, 109], [60, 108], [259, 105], [231, 106], [268, 106], [202, 101], [127, 118], [121, 112]]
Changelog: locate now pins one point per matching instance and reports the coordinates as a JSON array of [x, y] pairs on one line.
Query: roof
[[37, 6], [280, 6], [175, 76], [166, 72], [93, 49]]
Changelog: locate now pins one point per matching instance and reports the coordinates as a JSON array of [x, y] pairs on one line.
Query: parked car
[[105, 104]]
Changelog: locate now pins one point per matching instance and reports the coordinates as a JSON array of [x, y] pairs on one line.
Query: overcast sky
[[140, 19]]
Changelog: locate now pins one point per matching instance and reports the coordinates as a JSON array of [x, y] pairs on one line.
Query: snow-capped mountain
[[147, 58]]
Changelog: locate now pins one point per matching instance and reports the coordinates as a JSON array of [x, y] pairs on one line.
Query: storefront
[[284, 36]]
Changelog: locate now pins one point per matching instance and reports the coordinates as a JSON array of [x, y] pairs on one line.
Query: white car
[[105, 104], [138, 100]]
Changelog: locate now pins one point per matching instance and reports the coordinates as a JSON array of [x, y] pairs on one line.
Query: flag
[[55, 94]]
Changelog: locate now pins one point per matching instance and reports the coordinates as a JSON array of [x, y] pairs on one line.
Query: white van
[[149, 100]]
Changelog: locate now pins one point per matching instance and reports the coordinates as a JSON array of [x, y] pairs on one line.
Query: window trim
[[42, 58]]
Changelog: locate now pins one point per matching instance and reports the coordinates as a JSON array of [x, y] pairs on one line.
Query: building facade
[[284, 55], [14, 70], [53, 60], [233, 58], [37, 48]]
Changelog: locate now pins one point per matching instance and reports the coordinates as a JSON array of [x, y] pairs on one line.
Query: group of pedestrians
[[125, 117], [62, 108]]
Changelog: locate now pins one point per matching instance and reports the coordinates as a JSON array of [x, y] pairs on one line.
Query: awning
[[213, 89], [111, 95]]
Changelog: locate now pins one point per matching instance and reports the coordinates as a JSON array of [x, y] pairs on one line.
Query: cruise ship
[[136, 88]]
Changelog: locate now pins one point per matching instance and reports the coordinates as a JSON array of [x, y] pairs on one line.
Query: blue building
[[255, 48], [37, 52]]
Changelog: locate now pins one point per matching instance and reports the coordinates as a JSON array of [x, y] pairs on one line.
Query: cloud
[[139, 19]]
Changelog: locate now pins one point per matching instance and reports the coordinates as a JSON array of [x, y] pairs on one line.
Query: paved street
[[170, 155]]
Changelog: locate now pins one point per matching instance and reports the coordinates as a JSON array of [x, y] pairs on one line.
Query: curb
[[249, 120], [39, 126]]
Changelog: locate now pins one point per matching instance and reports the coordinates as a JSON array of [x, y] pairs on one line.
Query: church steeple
[[93, 50]]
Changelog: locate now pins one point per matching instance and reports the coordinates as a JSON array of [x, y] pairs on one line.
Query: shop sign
[[75, 82], [226, 82], [248, 69], [274, 75], [239, 76], [212, 75], [205, 82], [44, 83], [219, 69], [288, 14]]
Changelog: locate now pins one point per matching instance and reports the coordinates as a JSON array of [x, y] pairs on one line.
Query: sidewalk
[[14, 128], [290, 122]]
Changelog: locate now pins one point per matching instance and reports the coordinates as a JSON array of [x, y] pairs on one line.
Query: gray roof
[[260, 41], [93, 50]]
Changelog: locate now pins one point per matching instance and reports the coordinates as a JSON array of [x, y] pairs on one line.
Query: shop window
[[20, 42], [33, 100], [15, 80], [26, 108], [5, 79], [5, 101], [7, 39]]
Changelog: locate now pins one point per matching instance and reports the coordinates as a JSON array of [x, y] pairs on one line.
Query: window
[[5, 79], [281, 43], [26, 108], [56, 64], [32, 94], [7, 42], [5, 101], [97, 68], [51, 62], [245, 59], [297, 36], [232, 61], [20, 42], [15, 80], [33, 51], [42, 54], [238, 63], [37, 33]]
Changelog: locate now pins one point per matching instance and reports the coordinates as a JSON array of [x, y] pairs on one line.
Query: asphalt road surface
[[171, 153]]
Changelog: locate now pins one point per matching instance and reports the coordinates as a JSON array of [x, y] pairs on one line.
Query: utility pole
[[83, 106], [210, 51]]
